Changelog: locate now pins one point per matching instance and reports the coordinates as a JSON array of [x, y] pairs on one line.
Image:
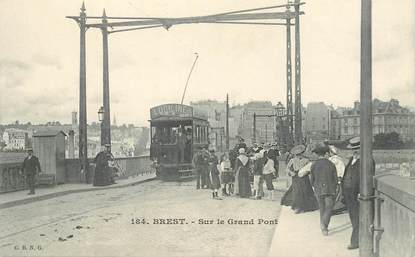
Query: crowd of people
[[321, 179], [246, 172]]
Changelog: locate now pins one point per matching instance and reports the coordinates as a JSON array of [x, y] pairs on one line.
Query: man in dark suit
[[324, 181], [30, 168], [351, 187]]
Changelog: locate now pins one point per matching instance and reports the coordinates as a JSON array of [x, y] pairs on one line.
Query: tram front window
[[165, 135]]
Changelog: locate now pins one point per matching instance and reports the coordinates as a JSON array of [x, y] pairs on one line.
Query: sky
[[39, 57]]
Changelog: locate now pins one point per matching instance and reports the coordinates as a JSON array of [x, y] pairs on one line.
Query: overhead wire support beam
[[199, 19], [131, 29], [248, 23]]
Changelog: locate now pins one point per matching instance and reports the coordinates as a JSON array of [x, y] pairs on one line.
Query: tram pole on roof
[[366, 165], [188, 77]]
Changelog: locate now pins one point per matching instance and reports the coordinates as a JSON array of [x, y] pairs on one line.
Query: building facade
[[317, 122], [216, 112], [265, 127], [16, 139], [387, 117]]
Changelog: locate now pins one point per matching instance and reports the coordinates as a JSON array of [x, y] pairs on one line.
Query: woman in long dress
[[242, 178], [303, 198], [214, 174]]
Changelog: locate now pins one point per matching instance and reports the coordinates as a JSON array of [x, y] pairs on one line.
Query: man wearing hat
[[324, 181], [351, 186], [201, 164], [241, 144], [30, 168]]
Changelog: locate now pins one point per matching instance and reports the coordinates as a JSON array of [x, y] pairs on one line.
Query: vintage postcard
[[280, 128]]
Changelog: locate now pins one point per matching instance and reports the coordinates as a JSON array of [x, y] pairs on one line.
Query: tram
[[177, 132]]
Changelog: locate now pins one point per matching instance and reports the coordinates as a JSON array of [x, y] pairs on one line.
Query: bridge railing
[[11, 179], [394, 224], [128, 167]]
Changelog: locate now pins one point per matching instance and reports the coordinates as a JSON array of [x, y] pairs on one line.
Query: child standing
[[214, 173]]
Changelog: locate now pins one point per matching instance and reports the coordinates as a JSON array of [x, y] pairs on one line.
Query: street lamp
[[280, 110], [101, 114]]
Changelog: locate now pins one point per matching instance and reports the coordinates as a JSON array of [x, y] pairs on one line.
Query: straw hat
[[298, 149], [354, 143], [241, 150]]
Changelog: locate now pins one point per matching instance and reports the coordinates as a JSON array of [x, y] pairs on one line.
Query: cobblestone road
[[100, 224]]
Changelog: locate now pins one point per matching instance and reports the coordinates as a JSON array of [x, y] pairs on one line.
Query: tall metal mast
[[83, 154]]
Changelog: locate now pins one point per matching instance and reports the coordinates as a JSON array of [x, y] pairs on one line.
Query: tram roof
[[167, 112]]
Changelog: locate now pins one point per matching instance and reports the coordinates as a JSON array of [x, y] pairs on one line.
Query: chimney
[[356, 105], [71, 144], [74, 119]]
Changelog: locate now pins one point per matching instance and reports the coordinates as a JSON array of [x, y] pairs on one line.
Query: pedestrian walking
[[103, 172], [351, 188], [31, 168], [339, 205], [336, 160], [257, 172], [324, 182], [241, 144], [273, 153], [206, 183], [226, 175], [303, 198], [214, 173], [242, 177], [198, 165], [269, 174]]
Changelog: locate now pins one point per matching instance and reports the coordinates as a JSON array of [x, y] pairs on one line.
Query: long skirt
[[244, 184], [236, 189], [227, 177], [268, 181], [287, 198], [303, 194], [101, 177], [214, 178]]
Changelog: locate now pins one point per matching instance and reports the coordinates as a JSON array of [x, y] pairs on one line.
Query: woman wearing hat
[[242, 178], [303, 198]]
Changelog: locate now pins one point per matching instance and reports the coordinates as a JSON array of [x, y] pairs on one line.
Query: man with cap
[[30, 168], [324, 182], [241, 144], [103, 171], [201, 163], [351, 186]]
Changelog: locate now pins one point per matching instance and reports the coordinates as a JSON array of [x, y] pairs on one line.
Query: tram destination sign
[[171, 110]]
